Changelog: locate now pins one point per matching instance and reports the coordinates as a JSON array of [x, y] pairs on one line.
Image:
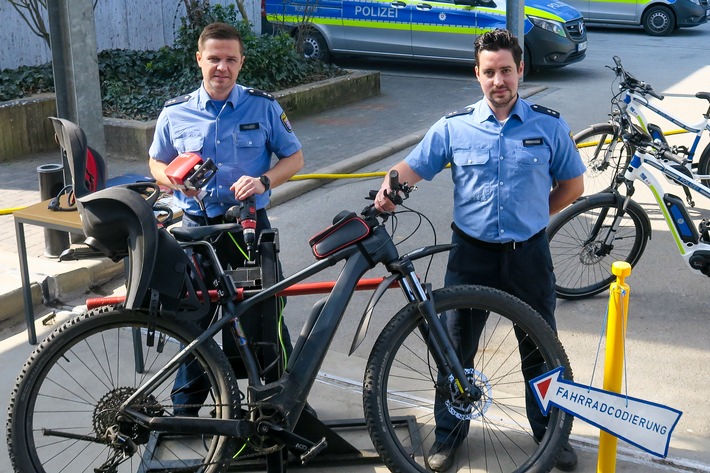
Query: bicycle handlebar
[[399, 192], [642, 142], [630, 82]]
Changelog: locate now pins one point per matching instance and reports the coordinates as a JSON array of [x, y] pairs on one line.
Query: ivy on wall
[[135, 84]]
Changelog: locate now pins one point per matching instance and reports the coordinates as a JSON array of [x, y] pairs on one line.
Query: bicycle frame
[[628, 116], [633, 102], [288, 394], [687, 239]]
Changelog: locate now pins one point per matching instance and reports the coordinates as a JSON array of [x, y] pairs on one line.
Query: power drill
[[247, 217], [245, 214]]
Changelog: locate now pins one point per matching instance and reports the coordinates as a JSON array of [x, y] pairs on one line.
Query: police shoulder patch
[[177, 100], [463, 111], [260, 93], [545, 110]]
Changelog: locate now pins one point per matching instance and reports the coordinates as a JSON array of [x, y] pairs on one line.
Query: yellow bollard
[[614, 360]]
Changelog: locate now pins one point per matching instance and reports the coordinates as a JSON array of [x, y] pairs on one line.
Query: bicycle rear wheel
[[401, 384], [63, 410], [576, 235], [604, 153]]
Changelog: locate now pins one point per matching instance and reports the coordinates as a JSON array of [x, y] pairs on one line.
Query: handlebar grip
[[393, 179], [652, 93], [672, 157]]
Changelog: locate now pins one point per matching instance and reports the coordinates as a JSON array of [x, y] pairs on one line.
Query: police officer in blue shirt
[[239, 128], [513, 165]]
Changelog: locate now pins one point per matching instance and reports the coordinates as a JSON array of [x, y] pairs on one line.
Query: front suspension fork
[[621, 206], [433, 330]]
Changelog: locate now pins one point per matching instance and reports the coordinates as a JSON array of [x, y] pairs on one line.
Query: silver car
[[658, 17]]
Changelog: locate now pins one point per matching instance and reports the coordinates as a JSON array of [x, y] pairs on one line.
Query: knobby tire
[[399, 388], [73, 382]]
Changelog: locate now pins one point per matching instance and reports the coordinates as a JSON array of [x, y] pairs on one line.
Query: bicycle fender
[[367, 315]]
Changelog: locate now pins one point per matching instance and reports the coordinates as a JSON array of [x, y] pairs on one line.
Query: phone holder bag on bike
[[347, 229], [119, 222]]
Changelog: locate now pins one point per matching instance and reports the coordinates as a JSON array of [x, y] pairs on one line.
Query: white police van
[[445, 30], [658, 17]]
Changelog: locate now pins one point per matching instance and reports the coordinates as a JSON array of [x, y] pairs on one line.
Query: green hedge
[[135, 84]]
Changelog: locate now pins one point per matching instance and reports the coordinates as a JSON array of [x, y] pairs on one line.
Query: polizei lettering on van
[[375, 12]]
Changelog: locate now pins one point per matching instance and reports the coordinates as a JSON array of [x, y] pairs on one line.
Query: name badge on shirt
[[533, 142], [249, 126]]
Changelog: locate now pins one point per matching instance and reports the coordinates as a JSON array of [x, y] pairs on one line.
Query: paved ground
[[669, 337]]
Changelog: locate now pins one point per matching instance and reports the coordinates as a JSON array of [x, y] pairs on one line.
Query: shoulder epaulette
[[260, 93], [545, 110], [464, 111], [176, 100]]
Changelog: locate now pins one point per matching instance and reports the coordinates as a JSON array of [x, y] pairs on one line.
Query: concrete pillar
[[515, 20], [72, 34]]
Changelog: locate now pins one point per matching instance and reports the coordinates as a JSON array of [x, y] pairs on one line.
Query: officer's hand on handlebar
[[382, 202], [388, 196]]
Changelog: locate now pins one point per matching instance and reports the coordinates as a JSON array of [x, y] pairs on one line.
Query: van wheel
[[313, 46], [527, 62], [658, 21]]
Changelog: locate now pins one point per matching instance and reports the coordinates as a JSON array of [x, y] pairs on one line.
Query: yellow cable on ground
[[665, 133], [10, 210], [301, 177]]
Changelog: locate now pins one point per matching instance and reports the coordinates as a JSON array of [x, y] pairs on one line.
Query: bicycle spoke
[[402, 385]]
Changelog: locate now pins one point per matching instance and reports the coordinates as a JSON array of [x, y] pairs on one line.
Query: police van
[[658, 17], [444, 30]]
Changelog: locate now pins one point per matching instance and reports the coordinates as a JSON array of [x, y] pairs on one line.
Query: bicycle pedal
[[321, 445]]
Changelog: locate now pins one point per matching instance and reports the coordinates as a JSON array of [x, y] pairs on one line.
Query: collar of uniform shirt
[[483, 111], [203, 97]]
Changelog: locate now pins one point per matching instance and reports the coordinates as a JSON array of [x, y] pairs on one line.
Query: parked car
[[443, 30], [658, 17]]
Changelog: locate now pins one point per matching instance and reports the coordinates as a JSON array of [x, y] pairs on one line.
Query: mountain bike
[[96, 394], [606, 154], [588, 236]]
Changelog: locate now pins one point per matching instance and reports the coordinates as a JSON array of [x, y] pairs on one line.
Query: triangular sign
[[543, 387]]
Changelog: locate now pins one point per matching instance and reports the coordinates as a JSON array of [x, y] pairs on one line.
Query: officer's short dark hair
[[497, 39], [220, 31]]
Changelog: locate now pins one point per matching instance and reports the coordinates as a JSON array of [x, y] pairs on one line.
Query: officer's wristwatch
[[265, 181]]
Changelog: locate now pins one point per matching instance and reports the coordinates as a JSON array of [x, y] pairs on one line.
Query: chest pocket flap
[[189, 143], [471, 157], [250, 139]]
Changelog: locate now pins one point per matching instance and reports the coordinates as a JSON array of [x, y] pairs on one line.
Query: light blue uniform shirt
[[240, 138], [502, 174]]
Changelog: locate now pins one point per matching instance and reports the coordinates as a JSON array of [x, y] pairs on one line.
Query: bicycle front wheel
[[63, 415], [402, 382], [582, 265], [604, 153]]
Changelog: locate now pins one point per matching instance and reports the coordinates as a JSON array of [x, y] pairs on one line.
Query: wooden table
[[39, 215], [67, 221]]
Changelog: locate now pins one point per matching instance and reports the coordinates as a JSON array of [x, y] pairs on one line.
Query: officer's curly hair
[[219, 30], [498, 39]]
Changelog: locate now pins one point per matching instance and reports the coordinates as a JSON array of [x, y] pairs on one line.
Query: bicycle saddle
[[204, 232]]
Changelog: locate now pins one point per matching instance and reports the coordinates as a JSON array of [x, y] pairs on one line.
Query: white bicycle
[[605, 152], [588, 236]]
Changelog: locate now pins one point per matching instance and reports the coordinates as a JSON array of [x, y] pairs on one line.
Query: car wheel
[[313, 45], [658, 21], [527, 62]]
